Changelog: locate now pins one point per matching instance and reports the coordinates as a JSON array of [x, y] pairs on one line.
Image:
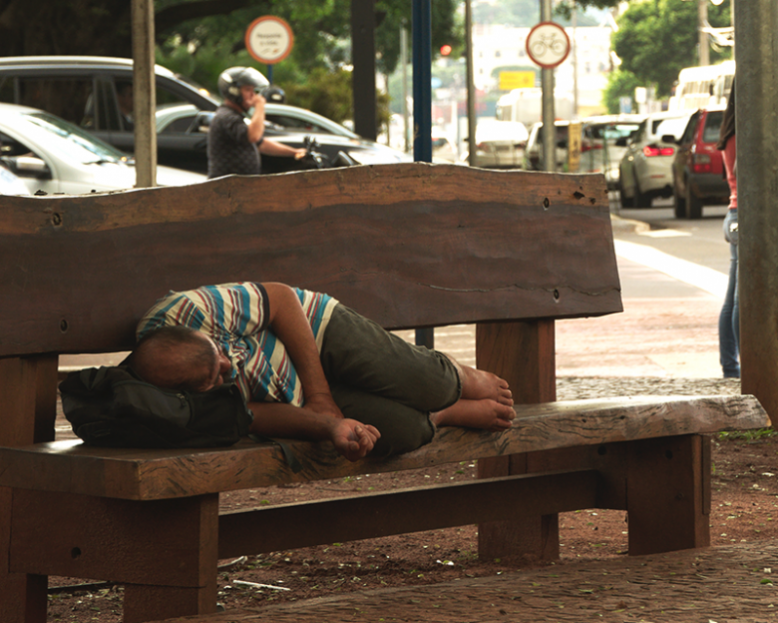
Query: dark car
[[91, 92], [182, 138], [698, 169]]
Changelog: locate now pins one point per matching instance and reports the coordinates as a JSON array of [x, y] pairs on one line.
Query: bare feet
[[479, 384], [486, 402], [486, 414]]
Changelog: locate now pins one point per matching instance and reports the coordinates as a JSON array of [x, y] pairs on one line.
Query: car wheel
[[640, 200], [693, 204], [623, 195], [680, 203]]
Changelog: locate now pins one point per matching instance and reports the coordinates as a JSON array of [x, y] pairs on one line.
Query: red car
[[698, 169]]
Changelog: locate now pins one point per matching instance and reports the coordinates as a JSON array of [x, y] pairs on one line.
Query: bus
[[703, 87]]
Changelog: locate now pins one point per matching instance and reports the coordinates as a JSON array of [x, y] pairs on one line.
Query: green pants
[[380, 379]]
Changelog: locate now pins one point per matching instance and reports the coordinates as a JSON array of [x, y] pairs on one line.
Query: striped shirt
[[236, 315]]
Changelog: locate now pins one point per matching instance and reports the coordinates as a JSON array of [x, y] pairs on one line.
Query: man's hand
[[354, 439]]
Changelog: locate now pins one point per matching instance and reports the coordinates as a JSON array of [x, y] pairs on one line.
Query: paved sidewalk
[[714, 585]]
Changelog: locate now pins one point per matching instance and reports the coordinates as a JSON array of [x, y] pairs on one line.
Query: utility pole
[[144, 93], [704, 37], [471, 125], [757, 150]]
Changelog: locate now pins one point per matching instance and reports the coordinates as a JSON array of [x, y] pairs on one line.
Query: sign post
[[269, 40], [548, 46]]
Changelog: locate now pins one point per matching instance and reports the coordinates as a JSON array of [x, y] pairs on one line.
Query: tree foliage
[[658, 38]]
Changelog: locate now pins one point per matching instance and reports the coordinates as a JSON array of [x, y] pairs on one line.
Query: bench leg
[[668, 494], [153, 603], [28, 392], [523, 354], [164, 551]]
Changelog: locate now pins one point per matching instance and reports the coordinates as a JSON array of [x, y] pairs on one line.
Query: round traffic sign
[[269, 39], [548, 45]]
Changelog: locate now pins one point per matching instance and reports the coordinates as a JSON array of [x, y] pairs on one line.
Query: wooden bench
[[408, 245]]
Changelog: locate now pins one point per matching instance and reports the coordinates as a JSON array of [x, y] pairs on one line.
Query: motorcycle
[[314, 158]]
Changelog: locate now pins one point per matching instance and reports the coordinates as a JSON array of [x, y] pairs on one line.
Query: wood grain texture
[[408, 245], [70, 466]]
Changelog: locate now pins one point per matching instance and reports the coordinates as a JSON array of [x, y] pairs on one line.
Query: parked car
[[51, 155], [182, 138], [499, 144], [603, 144], [698, 168], [87, 91], [10, 183], [646, 169], [533, 153]]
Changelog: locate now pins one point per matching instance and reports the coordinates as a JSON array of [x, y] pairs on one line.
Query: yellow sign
[[573, 146], [510, 80]]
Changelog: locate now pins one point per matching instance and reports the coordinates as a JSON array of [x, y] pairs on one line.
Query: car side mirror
[[669, 138], [30, 166]]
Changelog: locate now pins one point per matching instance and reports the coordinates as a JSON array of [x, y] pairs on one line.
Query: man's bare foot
[[479, 385], [485, 413]]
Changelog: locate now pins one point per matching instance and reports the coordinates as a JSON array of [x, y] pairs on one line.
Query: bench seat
[[71, 466]]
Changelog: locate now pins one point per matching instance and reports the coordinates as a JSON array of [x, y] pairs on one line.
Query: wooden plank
[[158, 474], [398, 512], [525, 245]]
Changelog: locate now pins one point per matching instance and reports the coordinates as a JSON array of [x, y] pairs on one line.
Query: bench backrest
[[409, 245]]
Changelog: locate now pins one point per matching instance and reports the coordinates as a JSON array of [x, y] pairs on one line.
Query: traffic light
[[445, 50]]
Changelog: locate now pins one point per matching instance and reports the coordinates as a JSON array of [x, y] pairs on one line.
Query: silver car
[[646, 169], [51, 156]]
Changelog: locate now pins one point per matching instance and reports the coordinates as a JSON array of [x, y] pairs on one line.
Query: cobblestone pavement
[[714, 585]]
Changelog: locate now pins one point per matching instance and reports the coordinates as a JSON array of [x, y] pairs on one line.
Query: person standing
[[729, 318], [234, 146]]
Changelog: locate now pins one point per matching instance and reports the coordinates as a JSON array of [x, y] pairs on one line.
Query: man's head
[[236, 82], [180, 358]]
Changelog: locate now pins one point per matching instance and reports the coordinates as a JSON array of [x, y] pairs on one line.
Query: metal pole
[[144, 93], [422, 105], [575, 61], [363, 60], [404, 63], [471, 120], [547, 84], [756, 33], [702, 18]]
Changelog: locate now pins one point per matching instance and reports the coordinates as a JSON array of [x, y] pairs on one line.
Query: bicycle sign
[[548, 45]]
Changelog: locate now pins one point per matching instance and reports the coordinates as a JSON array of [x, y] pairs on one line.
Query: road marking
[[702, 277]]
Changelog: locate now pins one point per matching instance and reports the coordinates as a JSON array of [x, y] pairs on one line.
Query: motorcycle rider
[[234, 147]]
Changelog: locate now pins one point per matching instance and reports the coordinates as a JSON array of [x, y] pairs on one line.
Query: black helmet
[[274, 94], [232, 79]]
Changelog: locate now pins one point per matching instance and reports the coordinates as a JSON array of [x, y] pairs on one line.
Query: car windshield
[[671, 126], [712, 127], [70, 141]]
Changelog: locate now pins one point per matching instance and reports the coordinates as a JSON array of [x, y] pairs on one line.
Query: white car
[[499, 144], [603, 144], [52, 156], [646, 169]]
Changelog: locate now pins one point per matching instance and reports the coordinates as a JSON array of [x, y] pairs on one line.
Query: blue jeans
[[380, 379], [729, 318]]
